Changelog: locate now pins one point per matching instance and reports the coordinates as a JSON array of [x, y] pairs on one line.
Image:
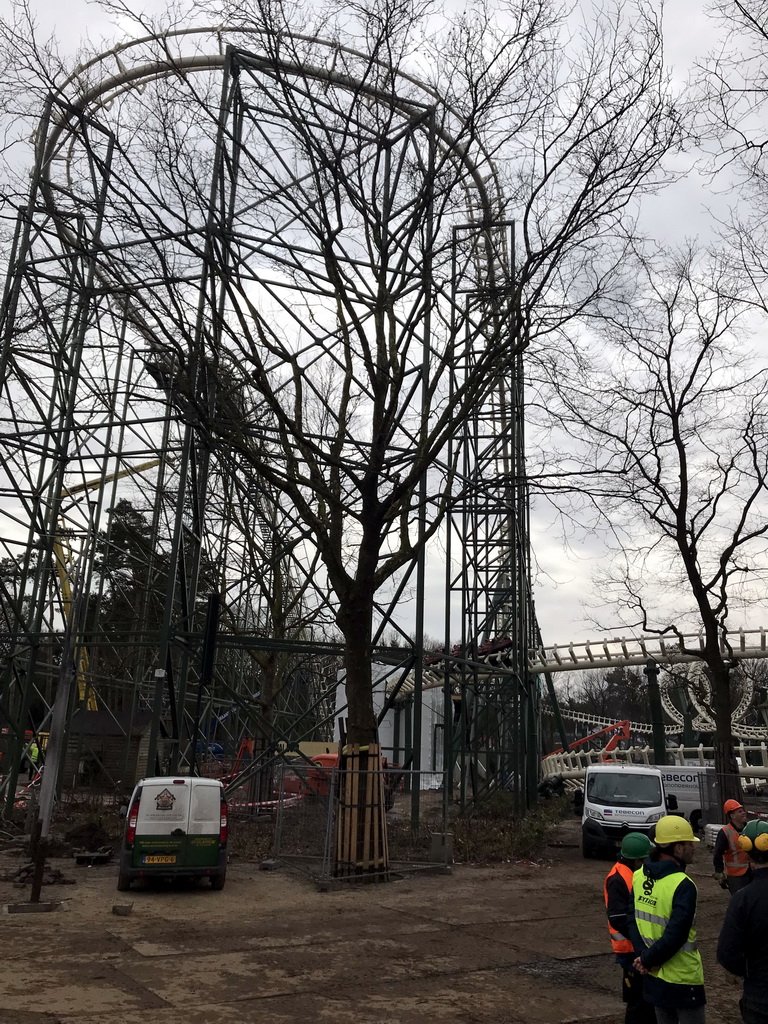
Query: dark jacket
[[658, 992], [742, 947], [720, 850]]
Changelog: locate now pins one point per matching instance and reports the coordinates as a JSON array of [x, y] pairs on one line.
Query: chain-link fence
[[259, 796], [321, 812], [713, 817], [709, 798]]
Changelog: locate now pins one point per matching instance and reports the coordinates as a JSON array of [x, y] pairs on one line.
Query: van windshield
[[617, 789]]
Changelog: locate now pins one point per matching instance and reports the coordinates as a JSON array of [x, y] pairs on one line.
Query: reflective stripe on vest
[[643, 915], [653, 898], [735, 859], [620, 943]]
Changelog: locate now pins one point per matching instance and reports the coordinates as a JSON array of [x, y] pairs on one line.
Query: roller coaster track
[[493, 657], [742, 732], [620, 652]]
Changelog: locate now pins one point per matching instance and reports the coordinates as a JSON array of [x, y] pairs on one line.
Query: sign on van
[[164, 800], [681, 777]]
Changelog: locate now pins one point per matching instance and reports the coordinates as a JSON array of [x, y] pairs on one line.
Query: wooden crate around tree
[[361, 832]]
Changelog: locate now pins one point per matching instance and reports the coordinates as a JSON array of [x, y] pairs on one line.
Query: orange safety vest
[[620, 943], [735, 859]]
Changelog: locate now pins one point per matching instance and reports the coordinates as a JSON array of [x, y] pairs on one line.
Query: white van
[[176, 827], [620, 798], [684, 783]]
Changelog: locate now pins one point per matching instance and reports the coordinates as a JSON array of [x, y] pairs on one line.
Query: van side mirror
[[671, 802], [578, 801]]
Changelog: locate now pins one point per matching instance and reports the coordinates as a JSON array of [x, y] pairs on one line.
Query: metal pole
[[206, 671], [55, 749], [556, 709], [421, 561], [651, 670], [550, 684]]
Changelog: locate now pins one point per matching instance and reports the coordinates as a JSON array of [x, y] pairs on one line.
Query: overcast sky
[[679, 213]]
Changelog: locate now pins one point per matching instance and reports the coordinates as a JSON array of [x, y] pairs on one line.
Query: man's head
[[674, 838], [754, 839], [735, 814], [635, 847]]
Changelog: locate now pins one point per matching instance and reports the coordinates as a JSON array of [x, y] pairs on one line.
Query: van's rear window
[[164, 804], [616, 789], [206, 803]]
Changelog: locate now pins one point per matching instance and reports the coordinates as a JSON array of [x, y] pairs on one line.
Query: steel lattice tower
[[123, 509]]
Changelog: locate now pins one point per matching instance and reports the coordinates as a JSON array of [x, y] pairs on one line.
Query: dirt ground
[[513, 944]]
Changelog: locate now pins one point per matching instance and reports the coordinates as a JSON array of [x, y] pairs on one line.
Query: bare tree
[[352, 338], [619, 693], [667, 436], [731, 108], [349, 203]]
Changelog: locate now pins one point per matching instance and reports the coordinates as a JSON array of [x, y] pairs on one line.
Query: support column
[[651, 670]]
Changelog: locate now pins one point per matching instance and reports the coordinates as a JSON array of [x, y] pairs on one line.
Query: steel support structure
[[121, 319], [495, 739]]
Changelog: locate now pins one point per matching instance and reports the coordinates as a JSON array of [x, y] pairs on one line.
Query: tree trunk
[[726, 768], [263, 735], [361, 827], [262, 787], [355, 623]]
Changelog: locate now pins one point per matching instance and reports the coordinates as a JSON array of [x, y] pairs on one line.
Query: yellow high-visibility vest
[[653, 906]]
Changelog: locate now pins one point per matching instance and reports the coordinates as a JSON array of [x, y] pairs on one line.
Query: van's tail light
[[223, 822], [133, 817]]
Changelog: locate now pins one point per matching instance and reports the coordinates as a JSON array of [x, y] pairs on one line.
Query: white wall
[[432, 716]]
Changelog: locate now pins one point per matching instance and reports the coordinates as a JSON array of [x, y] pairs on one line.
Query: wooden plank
[[344, 822], [353, 852], [365, 766], [340, 823], [378, 822]]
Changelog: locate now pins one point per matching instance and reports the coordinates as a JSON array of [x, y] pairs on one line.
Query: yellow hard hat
[[672, 828]]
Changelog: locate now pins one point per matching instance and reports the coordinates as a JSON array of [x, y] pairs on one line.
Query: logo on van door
[[165, 800]]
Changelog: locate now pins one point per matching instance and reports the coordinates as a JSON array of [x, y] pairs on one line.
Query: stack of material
[[23, 876], [103, 855]]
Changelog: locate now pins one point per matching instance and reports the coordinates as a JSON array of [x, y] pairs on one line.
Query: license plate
[[158, 860]]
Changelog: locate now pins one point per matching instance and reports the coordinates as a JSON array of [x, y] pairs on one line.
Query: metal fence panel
[[307, 816], [303, 809], [754, 789]]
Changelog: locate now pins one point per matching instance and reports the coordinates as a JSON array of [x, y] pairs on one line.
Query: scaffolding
[[494, 741], [143, 455]]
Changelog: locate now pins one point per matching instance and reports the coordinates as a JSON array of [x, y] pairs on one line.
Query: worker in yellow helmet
[[661, 922]]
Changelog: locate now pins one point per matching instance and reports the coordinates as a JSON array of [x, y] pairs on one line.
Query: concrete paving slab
[[69, 986], [484, 946], [504, 997]]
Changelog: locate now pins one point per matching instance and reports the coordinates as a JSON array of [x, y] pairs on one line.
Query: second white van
[[620, 798]]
